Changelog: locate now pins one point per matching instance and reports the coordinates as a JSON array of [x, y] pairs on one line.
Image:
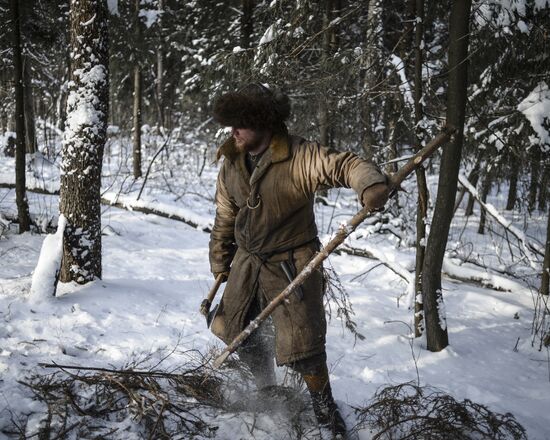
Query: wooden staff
[[344, 231]]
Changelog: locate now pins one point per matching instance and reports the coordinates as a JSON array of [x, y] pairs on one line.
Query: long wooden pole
[[343, 232]]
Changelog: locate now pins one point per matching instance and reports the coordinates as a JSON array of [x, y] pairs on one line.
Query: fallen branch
[[33, 189], [528, 248], [396, 268], [124, 372], [481, 277], [451, 269], [172, 213]]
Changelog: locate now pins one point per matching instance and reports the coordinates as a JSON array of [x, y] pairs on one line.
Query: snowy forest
[[438, 319]]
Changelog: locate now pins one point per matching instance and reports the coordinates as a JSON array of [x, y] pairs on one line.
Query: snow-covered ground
[[155, 274]]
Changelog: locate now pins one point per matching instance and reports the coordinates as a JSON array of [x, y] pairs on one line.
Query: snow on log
[[457, 270], [161, 209], [46, 273], [179, 214]]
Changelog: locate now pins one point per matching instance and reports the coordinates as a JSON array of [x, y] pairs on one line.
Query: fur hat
[[252, 106]]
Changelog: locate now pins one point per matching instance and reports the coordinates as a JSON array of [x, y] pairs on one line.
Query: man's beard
[[250, 144]]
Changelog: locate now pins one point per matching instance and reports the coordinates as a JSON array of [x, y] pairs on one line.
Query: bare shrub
[[408, 411]]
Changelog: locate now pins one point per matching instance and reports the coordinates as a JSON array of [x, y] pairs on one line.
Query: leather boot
[[325, 408], [259, 359], [257, 352]]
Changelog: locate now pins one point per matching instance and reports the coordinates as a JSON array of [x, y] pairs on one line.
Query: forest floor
[[144, 312]]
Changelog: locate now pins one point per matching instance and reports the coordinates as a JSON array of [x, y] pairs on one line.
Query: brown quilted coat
[[267, 217]]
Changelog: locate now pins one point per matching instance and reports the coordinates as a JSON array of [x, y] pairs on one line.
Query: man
[[264, 221]]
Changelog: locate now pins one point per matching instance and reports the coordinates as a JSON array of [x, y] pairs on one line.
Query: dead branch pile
[[408, 411], [116, 404]]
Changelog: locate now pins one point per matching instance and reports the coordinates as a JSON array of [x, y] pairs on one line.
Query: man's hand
[[375, 196], [225, 275]]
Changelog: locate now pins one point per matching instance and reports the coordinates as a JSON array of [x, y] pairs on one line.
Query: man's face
[[247, 139]]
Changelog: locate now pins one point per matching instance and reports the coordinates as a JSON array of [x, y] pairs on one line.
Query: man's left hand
[[375, 196]]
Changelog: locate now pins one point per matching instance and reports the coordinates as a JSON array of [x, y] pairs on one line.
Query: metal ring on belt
[[257, 204]]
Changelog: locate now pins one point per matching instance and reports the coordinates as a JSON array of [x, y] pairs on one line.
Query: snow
[[202, 222], [404, 86], [82, 113], [520, 235], [150, 15], [536, 108], [269, 35], [113, 6], [47, 268], [156, 273], [147, 304]]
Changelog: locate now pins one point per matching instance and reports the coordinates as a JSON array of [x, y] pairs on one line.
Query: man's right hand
[[225, 275], [375, 196]]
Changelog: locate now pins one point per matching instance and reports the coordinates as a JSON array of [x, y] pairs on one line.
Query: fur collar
[[279, 146]]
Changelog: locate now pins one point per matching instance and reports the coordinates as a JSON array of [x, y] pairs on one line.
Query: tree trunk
[[371, 66], [84, 141], [160, 68], [545, 279], [513, 190], [423, 196], [485, 189], [544, 184], [20, 181], [137, 122], [30, 132], [535, 175], [436, 325], [137, 97], [473, 178], [247, 23], [323, 108], [4, 97]]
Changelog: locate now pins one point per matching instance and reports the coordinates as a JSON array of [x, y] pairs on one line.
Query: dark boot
[[327, 413], [325, 408], [257, 352], [258, 357]]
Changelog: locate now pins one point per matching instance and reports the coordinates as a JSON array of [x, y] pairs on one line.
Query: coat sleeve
[[315, 167], [222, 238]]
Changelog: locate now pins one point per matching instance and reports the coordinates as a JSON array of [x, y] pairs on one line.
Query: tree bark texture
[[137, 95], [137, 122], [159, 83], [544, 184], [84, 141], [485, 189], [30, 131], [545, 279], [247, 23], [423, 196], [371, 66], [535, 175], [436, 324], [513, 189], [20, 193]]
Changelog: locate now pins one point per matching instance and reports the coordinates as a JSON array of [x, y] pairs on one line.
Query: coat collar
[[279, 148]]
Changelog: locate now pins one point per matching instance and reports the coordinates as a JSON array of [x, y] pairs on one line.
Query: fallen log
[[528, 248], [139, 206]]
